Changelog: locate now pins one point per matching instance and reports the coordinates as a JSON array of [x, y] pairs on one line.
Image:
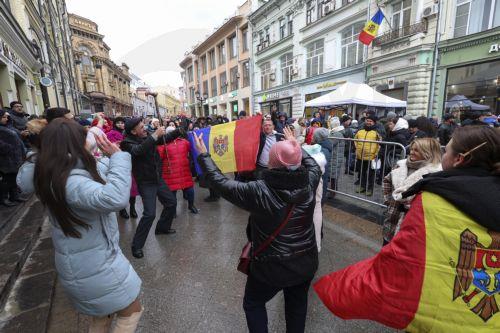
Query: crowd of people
[[86, 171]]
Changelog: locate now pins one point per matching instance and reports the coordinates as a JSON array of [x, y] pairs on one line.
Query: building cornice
[[454, 44], [263, 10], [400, 54], [216, 35], [273, 47]]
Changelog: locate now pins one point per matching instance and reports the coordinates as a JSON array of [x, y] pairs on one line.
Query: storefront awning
[[460, 101], [356, 93]]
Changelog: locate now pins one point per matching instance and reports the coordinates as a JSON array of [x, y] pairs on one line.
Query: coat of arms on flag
[[478, 274], [221, 145]]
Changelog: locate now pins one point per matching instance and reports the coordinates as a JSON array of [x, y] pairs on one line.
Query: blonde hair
[[429, 148], [35, 126]]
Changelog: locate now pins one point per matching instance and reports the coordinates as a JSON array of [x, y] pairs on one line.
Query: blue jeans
[[148, 193]]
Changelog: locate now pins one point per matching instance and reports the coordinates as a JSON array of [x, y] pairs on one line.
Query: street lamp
[[201, 98]]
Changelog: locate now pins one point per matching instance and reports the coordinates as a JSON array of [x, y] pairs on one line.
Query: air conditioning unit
[[430, 11], [272, 77], [259, 47], [295, 71], [327, 9]]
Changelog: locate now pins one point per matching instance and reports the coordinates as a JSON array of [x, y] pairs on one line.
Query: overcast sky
[[128, 23]]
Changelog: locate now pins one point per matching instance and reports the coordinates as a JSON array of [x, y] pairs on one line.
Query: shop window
[[246, 74], [223, 82], [265, 76], [474, 87], [473, 16], [352, 49], [315, 52], [213, 62], [221, 50], [213, 86], [233, 47], [286, 67], [233, 73]]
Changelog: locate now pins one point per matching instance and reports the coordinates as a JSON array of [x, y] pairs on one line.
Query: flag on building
[[233, 146], [371, 28], [437, 274]]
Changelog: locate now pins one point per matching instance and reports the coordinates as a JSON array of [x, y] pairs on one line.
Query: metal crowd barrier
[[362, 179]]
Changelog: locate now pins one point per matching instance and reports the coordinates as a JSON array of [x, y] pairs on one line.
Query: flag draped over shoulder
[[371, 28], [233, 146], [440, 273]]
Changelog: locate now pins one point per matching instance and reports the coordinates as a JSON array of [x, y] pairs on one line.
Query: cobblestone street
[[190, 281]]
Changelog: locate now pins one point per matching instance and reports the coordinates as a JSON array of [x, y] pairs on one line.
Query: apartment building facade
[[303, 50], [216, 73]]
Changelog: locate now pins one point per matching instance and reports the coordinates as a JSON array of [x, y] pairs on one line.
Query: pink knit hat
[[285, 154]]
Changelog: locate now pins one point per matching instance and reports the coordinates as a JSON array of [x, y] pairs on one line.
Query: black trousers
[[149, 193], [365, 174], [8, 186], [257, 294]]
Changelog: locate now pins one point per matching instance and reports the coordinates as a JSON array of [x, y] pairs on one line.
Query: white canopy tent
[[356, 93]]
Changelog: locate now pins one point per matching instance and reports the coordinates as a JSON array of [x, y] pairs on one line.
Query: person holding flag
[[441, 272]]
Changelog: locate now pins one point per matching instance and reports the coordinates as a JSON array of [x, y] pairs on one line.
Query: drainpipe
[[47, 47], [63, 84], [435, 60], [251, 66]]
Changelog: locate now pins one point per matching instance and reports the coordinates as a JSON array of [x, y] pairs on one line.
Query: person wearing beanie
[[147, 171], [446, 129], [366, 152], [284, 197], [54, 113], [116, 135], [85, 123]]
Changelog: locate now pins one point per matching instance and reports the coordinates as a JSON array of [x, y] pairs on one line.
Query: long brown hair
[[62, 146], [480, 146]]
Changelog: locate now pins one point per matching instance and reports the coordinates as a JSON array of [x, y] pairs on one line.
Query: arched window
[[352, 49], [86, 65]]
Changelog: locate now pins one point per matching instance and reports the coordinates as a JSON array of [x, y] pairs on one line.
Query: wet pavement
[[190, 281]]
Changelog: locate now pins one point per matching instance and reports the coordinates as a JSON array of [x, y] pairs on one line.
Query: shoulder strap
[[276, 232]]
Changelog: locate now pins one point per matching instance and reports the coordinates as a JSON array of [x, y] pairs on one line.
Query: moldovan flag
[[440, 273], [371, 28], [233, 146]]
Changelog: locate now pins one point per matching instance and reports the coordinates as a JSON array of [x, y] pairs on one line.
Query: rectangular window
[[346, 2], [401, 15], [265, 76], [352, 50], [221, 49], [233, 47], [190, 73], [233, 73], [213, 62], [244, 36], [246, 74], [315, 52], [204, 64], [290, 24], [474, 16], [223, 83], [310, 10], [205, 87], [213, 86], [286, 67], [282, 28]]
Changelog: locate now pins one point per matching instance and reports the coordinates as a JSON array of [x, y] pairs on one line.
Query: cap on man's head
[[54, 113], [132, 123]]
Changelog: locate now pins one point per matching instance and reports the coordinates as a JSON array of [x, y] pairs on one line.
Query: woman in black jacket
[[289, 263]]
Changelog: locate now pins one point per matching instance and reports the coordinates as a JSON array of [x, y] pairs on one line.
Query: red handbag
[[246, 257]]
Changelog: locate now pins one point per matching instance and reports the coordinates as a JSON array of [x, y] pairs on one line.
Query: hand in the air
[[289, 135], [200, 144], [107, 147]]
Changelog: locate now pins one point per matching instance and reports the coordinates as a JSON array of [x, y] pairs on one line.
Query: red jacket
[[175, 164]]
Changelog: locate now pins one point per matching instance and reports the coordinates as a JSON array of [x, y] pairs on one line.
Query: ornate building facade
[[105, 85], [36, 61]]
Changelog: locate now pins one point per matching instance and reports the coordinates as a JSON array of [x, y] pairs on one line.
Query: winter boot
[[133, 212], [127, 324]]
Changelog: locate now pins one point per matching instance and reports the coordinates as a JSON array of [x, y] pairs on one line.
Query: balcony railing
[[406, 31]]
